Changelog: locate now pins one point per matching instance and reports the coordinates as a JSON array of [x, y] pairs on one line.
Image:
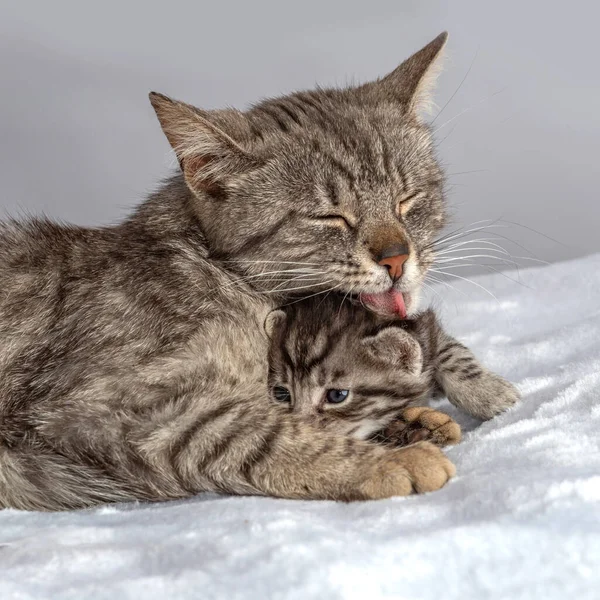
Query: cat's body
[[132, 368], [133, 358], [353, 372]]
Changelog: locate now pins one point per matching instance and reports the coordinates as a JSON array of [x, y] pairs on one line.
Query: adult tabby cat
[[133, 358], [353, 372]]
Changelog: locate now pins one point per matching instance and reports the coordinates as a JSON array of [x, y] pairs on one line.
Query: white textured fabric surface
[[521, 519]]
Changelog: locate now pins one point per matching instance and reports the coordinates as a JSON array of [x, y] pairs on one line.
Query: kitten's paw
[[419, 468], [421, 423], [486, 396]]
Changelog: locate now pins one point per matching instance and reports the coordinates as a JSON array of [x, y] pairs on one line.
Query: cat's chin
[[391, 303]]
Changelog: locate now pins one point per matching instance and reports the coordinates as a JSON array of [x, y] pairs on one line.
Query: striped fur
[[133, 361], [319, 345]]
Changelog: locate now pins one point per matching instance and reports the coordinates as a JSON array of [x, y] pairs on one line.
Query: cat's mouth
[[390, 303]]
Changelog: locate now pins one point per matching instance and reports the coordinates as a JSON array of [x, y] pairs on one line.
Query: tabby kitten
[[353, 372], [133, 361]]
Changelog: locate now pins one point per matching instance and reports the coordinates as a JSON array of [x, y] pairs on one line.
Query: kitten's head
[[327, 189], [342, 367]]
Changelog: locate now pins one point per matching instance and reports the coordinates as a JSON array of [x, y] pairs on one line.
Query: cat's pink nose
[[394, 261]]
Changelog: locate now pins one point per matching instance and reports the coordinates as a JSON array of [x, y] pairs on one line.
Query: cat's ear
[[207, 155], [395, 347], [274, 320], [412, 83]]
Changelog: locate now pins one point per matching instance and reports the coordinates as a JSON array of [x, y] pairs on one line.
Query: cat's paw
[[419, 468], [421, 423], [486, 396]]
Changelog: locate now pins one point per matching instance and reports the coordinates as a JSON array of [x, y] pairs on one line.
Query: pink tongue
[[390, 302]]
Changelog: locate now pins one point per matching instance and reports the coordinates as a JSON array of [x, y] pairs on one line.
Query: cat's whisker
[[272, 274], [534, 231], [327, 292], [456, 90], [298, 278], [447, 284], [432, 289], [483, 241], [468, 172], [461, 232], [490, 268], [277, 262], [344, 298], [277, 291], [447, 274], [452, 259], [469, 109], [498, 223], [489, 253]]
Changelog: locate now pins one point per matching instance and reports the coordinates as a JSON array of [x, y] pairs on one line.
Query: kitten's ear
[[274, 320], [411, 84], [395, 347], [206, 154]]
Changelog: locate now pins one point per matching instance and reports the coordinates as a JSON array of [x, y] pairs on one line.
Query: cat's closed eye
[[281, 394], [336, 220], [406, 202]]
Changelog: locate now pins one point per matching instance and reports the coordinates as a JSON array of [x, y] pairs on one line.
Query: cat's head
[[342, 367], [328, 189]]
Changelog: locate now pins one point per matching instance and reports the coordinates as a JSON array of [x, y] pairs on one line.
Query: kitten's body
[[382, 365]]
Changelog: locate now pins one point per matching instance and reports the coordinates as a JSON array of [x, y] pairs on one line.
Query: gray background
[[78, 139]]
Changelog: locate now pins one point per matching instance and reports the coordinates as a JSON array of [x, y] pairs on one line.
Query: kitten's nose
[[394, 258]]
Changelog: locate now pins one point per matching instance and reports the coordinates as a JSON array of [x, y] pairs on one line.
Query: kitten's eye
[[337, 396], [337, 220], [281, 394]]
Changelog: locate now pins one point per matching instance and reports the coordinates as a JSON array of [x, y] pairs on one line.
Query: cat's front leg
[[421, 423], [254, 448], [305, 462], [468, 384]]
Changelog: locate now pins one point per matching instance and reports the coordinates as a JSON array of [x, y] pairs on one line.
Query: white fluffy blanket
[[521, 519]]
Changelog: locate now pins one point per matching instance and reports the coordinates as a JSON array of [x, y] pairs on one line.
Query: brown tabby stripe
[[474, 375], [258, 238], [261, 451], [332, 193], [297, 104], [289, 112], [184, 440], [283, 126], [391, 393]]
